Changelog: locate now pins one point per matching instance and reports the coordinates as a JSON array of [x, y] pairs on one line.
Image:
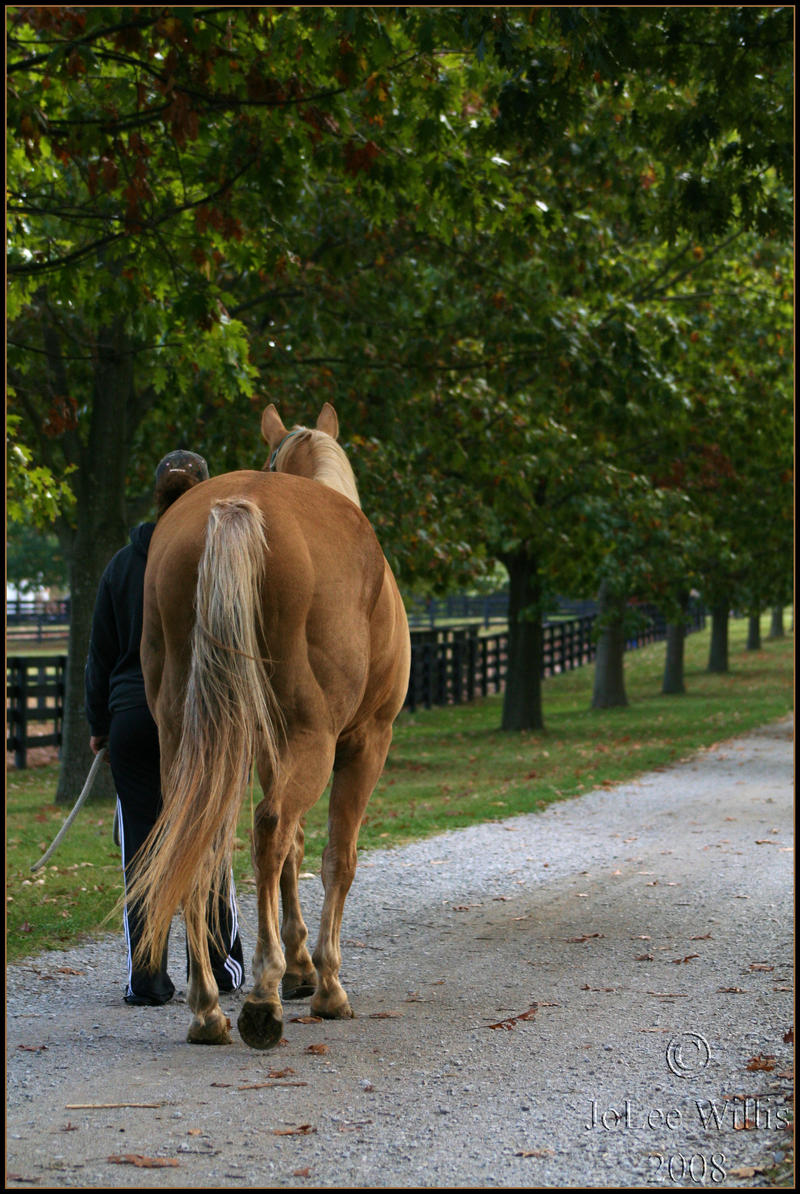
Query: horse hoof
[[295, 986], [258, 1025], [215, 1031]]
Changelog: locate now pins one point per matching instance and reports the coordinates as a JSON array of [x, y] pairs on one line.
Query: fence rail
[[449, 666]]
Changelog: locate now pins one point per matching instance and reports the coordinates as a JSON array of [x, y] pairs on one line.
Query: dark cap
[[180, 461]]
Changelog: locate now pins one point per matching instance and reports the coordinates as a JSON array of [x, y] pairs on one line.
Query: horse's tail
[[230, 713]]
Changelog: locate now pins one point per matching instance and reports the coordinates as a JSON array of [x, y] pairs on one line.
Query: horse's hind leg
[[210, 1025], [306, 766], [260, 1021], [300, 978], [356, 773]]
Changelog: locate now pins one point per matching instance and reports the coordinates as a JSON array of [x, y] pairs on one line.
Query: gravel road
[[595, 996]]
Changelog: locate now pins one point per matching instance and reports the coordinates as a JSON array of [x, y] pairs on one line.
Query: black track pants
[[135, 764]]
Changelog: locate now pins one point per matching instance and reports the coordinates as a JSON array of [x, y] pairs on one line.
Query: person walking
[[119, 718]]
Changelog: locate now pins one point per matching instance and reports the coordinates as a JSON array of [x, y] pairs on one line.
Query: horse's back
[[329, 622]]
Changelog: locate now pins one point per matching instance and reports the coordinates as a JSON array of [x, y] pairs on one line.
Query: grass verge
[[447, 768]]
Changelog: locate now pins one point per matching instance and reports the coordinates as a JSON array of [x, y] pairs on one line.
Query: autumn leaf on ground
[[305, 1020], [688, 958], [143, 1162], [535, 1152], [761, 1063], [580, 940], [788, 1036], [511, 1021], [760, 966], [299, 1130], [318, 1050], [269, 1085]]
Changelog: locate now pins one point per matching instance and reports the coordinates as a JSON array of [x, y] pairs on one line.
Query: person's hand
[[97, 742]]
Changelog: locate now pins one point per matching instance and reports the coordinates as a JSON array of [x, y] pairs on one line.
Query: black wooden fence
[[32, 620], [34, 696], [450, 666]]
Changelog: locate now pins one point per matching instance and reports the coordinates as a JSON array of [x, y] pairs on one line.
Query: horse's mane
[[329, 462]]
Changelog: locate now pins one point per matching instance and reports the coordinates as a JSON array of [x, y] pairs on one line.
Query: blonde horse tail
[[230, 714]]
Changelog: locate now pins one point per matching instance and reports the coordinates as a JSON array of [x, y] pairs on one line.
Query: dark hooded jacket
[[113, 676]]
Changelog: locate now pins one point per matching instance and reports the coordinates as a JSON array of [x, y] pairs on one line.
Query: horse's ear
[[328, 421], [272, 428]]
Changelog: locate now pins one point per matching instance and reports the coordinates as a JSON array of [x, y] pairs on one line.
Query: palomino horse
[[274, 634]]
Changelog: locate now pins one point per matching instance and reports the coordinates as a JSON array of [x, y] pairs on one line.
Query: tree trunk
[[754, 632], [673, 663], [718, 651], [776, 622], [99, 532], [609, 667], [522, 700]]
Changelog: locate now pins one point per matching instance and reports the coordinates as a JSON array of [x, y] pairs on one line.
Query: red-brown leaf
[[143, 1162]]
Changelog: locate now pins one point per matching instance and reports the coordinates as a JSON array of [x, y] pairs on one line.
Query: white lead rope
[[87, 787]]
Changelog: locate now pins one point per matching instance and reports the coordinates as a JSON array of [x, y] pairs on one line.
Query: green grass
[[447, 768]]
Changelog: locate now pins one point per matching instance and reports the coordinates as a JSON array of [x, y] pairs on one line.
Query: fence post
[[427, 677], [21, 719], [411, 695], [61, 698]]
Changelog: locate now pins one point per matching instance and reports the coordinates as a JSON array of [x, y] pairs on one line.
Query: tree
[[149, 151], [736, 462], [448, 221], [34, 560], [694, 153]]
